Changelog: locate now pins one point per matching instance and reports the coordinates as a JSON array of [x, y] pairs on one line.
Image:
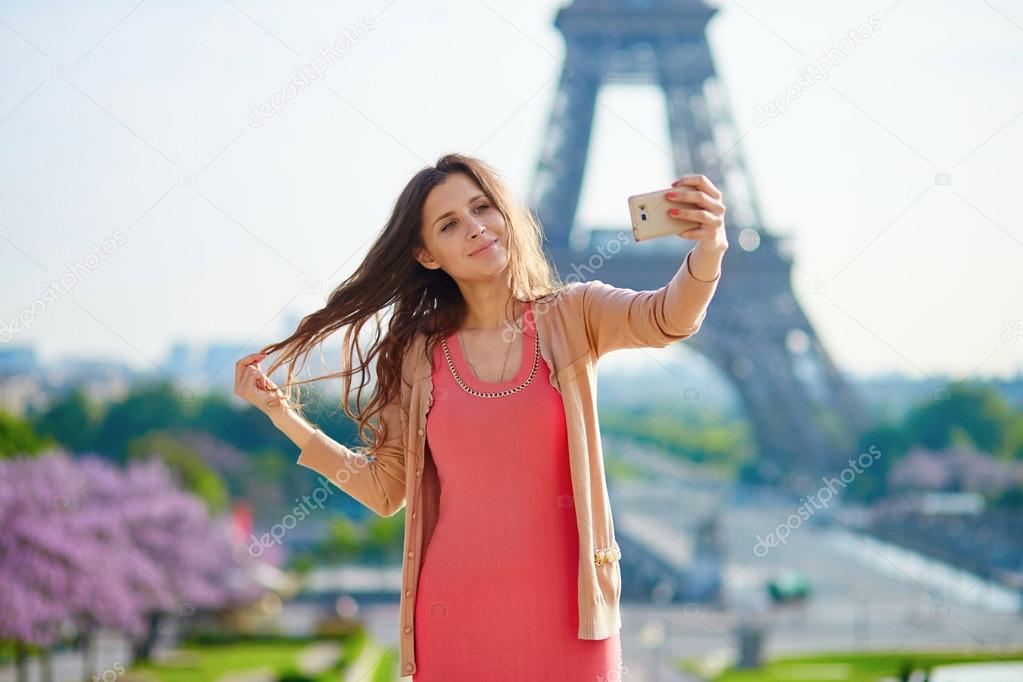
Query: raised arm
[[624, 318], [618, 317], [376, 480]]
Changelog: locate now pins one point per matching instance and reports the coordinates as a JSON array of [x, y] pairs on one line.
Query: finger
[[701, 181], [697, 234], [699, 198], [247, 360], [249, 381], [704, 183], [253, 378], [697, 215], [260, 380]]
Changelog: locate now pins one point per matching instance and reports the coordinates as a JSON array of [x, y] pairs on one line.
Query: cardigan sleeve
[[376, 480], [624, 318]]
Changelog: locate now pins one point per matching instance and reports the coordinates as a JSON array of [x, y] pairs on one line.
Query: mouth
[[484, 247]]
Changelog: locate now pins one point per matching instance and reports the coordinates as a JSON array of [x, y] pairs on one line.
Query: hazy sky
[[132, 165]]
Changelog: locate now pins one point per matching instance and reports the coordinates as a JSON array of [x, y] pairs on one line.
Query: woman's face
[[459, 219]]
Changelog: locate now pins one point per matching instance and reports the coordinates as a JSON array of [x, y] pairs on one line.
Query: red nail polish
[[673, 211]]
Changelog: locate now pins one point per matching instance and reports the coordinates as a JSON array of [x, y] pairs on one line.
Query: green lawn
[[213, 660], [859, 667], [207, 662]]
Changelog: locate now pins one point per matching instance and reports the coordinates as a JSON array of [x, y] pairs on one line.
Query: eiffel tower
[[806, 418]]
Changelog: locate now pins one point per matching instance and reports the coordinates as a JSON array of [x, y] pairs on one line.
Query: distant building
[[957, 467], [18, 360]]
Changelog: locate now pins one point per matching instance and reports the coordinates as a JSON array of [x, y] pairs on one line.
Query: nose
[[478, 236]]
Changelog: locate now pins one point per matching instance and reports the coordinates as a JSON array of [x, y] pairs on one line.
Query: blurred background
[[825, 483]]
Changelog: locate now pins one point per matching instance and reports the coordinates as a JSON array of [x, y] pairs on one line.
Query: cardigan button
[[420, 432], [408, 630], [409, 667], [408, 593], [410, 555], [413, 515]]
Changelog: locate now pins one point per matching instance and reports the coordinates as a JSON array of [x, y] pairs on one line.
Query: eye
[[447, 225]]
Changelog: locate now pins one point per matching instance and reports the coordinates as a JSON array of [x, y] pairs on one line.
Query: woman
[[485, 389]]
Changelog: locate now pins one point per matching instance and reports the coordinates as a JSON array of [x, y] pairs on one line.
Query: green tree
[[151, 407], [185, 464], [962, 413], [71, 420], [891, 440], [343, 541], [383, 537], [1014, 439], [1012, 498], [373, 540], [698, 438], [17, 437]]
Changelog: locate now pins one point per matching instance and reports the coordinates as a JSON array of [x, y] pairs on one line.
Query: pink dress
[[498, 590]]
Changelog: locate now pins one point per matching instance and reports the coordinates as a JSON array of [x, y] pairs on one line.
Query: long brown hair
[[423, 300]]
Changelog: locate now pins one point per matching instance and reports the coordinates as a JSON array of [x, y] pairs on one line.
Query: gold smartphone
[[650, 219]]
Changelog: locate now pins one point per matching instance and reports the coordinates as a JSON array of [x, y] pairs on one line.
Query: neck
[[490, 308]]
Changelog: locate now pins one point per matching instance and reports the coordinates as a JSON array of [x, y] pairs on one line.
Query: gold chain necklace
[[492, 394]]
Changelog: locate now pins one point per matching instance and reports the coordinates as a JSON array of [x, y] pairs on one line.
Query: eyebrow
[[451, 213]]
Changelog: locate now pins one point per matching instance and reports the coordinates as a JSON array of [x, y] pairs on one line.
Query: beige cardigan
[[575, 326]]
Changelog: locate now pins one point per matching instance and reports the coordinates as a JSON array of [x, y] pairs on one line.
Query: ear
[[424, 258]]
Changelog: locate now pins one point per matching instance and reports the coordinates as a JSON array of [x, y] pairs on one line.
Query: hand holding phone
[[650, 219]]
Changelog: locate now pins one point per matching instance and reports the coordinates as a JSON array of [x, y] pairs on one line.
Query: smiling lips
[[486, 246]]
